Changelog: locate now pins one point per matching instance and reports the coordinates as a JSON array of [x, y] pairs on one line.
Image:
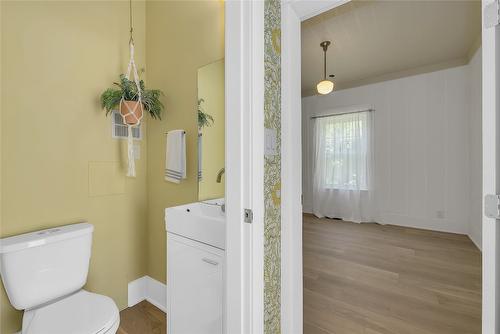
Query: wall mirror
[[211, 131]]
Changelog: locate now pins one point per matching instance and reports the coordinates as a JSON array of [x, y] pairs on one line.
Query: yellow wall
[[211, 90], [56, 145], [181, 37], [59, 163]]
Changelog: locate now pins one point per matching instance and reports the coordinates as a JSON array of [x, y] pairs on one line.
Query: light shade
[[325, 87]]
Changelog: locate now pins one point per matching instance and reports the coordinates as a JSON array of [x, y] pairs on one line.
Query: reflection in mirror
[[211, 131]]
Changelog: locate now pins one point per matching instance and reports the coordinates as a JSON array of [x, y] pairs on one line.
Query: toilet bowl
[[43, 273]]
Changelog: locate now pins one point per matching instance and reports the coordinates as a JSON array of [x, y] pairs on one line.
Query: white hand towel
[[175, 164]]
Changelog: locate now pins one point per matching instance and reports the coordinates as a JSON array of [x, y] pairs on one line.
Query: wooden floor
[[373, 279], [143, 318]]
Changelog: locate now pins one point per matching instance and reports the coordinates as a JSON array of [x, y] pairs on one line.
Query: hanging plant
[[204, 119], [127, 89], [132, 98]]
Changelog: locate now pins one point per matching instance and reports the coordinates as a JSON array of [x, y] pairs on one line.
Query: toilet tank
[[41, 266]]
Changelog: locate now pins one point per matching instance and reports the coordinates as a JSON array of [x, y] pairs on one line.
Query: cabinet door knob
[[212, 262]]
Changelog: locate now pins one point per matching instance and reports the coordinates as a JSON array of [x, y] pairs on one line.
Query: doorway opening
[[392, 168]]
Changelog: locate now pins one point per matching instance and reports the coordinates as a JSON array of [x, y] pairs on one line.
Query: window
[[342, 151]]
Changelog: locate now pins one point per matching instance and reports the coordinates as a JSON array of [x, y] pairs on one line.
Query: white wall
[[475, 141], [422, 147]]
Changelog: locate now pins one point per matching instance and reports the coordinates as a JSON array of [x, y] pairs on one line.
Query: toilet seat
[[80, 313]]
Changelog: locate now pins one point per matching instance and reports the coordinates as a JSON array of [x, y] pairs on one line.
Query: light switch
[[270, 142]]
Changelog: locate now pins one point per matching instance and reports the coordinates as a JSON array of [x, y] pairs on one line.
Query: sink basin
[[217, 201], [200, 221]]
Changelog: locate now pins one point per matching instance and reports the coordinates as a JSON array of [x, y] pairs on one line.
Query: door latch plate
[[492, 14], [492, 206], [248, 216]]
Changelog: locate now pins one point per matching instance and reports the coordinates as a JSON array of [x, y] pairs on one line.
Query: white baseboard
[[147, 288], [137, 291], [307, 208], [476, 240], [426, 223], [157, 294]]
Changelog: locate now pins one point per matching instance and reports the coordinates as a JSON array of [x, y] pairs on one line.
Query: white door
[[491, 164], [195, 287]]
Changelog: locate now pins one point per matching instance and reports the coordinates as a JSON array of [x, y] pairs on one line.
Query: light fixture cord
[[131, 41], [324, 63]]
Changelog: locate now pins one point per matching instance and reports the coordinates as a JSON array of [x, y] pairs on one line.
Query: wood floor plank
[[370, 278], [143, 318]]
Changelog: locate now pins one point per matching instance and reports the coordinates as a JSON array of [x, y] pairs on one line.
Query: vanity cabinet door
[[195, 287]]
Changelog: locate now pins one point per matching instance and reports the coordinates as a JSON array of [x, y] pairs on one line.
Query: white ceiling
[[380, 40]]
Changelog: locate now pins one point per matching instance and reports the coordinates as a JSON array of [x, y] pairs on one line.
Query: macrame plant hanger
[[130, 116]]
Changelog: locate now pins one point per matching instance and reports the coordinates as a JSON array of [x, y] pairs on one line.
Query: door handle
[[212, 262]]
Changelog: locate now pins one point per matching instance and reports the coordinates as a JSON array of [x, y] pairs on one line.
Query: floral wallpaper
[[272, 168]]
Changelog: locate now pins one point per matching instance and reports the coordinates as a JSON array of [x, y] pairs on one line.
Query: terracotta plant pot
[[131, 111]]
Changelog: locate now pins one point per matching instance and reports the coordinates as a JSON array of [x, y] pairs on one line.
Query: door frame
[[491, 169], [244, 105]]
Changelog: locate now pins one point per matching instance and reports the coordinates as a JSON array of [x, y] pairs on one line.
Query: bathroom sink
[[200, 221], [217, 201]]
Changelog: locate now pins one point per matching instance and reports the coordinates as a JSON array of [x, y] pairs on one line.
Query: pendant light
[[325, 86]]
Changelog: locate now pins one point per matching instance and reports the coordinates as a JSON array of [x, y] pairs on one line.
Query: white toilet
[[43, 273]]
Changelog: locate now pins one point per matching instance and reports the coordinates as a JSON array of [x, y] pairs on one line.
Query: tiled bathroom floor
[[143, 318]]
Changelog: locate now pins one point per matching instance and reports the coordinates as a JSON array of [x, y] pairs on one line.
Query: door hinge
[[492, 14], [492, 206], [248, 214]]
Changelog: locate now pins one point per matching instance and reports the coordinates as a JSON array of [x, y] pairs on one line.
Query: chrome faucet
[[219, 174]]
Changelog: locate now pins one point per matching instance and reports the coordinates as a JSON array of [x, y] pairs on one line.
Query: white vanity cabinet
[[195, 287]]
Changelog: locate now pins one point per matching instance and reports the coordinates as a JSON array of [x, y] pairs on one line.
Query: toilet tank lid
[[43, 237]]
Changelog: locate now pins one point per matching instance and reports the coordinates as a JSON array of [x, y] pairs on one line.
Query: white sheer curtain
[[343, 167]]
